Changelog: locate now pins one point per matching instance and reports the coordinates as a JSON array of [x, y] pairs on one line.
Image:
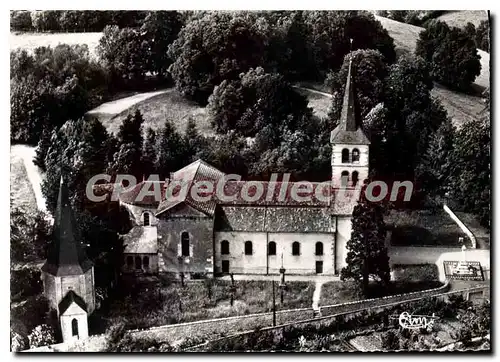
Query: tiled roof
[[70, 298], [357, 137], [141, 240], [274, 219], [131, 195], [192, 174]]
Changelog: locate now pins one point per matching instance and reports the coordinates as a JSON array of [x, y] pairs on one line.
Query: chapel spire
[[66, 255]]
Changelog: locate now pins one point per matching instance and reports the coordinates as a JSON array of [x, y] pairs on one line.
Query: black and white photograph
[[250, 181]]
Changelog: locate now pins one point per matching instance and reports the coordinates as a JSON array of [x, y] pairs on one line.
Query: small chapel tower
[[350, 146], [68, 275]]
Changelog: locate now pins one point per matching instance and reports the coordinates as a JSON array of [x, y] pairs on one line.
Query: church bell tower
[[350, 146]]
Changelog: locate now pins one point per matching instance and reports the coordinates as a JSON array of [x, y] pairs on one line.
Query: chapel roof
[[66, 255], [70, 298]]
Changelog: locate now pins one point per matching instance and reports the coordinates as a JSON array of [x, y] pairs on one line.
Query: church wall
[[260, 263], [343, 235], [137, 214], [200, 230]]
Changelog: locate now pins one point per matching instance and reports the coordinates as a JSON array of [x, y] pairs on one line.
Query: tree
[[331, 32], [470, 174], [160, 29], [368, 73], [42, 335], [452, 54], [255, 100], [483, 36], [42, 148], [412, 115], [193, 141], [149, 152], [433, 171], [29, 235], [20, 20], [123, 53], [367, 255], [215, 46], [171, 150]]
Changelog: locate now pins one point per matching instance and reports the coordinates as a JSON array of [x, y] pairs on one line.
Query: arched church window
[[355, 155], [138, 262], [185, 243], [271, 250], [74, 327], [319, 248], [224, 247], [248, 248], [296, 248], [344, 178], [355, 178], [145, 261], [345, 155], [146, 219]]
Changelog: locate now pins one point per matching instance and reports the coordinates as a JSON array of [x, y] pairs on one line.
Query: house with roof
[[183, 235], [68, 274]]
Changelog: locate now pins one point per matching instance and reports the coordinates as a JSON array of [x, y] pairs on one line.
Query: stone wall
[[360, 304], [221, 326]]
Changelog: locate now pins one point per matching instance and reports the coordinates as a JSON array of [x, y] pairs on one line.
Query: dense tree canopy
[[452, 54], [255, 100], [215, 46]]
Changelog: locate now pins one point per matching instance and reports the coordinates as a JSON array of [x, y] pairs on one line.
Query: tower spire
[[66, 256], [348, 114]]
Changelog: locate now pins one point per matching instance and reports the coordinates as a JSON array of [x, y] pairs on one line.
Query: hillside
[[460, 106], [462, 17]]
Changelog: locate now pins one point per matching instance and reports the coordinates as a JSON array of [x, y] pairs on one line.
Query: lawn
[[168, 105], [21, 192], [30, 41], [423, 228], [173, 303]]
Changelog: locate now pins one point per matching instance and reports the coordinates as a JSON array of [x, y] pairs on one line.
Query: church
[[192, 238]]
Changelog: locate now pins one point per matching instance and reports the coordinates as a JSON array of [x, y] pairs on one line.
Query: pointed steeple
[[348, 113], [66, 256], [349, 130]]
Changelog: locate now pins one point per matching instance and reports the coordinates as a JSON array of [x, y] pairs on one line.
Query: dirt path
[[317, 295], [120, 105], [27, 153]]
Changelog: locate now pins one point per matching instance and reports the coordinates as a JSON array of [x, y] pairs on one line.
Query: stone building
[[68, 275], [183, 235]]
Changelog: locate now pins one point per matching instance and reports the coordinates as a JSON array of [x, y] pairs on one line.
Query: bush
[[24, 283], [41, 335]]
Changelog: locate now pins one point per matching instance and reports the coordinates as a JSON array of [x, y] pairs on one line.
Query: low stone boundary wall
[[359, 304], [461, 225], [174, 332], [377, 308]]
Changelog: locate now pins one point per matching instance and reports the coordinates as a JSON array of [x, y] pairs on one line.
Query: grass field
[[173, 303], [462, 17], [168, 105], [30, 41], [21, 192], [424, 228]]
